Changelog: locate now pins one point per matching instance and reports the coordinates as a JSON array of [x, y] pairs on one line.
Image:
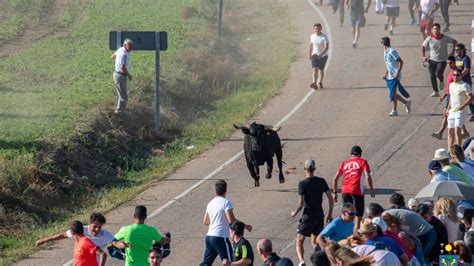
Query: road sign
[[145, 41]]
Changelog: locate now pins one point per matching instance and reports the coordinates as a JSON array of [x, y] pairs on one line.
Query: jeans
[[338, 4], [393, 85], [436, 70], [444, 6], [427, 241], [419, 253], [216, 246]]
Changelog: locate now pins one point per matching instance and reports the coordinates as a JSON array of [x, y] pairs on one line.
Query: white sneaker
[[435, 94], [393, 113], [412, 22], [408, 106], [302, 263]]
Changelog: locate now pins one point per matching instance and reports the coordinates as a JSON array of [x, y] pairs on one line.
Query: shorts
[[311, 225], [319, 63], [357, 201], [426, 25], [456, 119], [358, 20], [392, 11]]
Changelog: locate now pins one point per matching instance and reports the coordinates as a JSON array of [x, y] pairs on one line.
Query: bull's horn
[[272, 128], [237, 127]]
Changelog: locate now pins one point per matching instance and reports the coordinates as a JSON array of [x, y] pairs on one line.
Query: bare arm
[[205, 220], [454, 46], [231, 218], [120, 244], [299, 206], [334, 185], [400, 66], [423, 52], [310, 49], [114, 55], [368, 177], [51, 238], [404, 259], [368, 6], [102, 256], [326, 48], [321, 241], [331, 206]]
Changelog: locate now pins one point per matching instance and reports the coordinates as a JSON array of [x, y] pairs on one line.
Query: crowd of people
[[396, 235]]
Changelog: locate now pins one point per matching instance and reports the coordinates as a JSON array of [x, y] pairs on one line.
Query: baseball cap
[[434, 165], [310, 164], [356, 150]]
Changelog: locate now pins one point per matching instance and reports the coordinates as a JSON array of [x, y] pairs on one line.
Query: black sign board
[[142, 40]]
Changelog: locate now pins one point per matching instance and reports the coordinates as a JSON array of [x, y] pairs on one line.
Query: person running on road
[[318, 48], [437, 44], [444, 6], [412, 6], [140, 237], [242, 250], [85, 251], [461, 96], [358, 21], [463, 62], [311, 191], [94, 231], [394, 65], [439, 134], [339, 4], [392, 11], [352, 183], [428, 9], [219, 214]]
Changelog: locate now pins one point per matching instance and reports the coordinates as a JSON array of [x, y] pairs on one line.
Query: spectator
[[121, 73], [412, 204], [311, 191], [457, 157], [465, 254], [392, 77], [436, 174], [453, 171], [469, 235], [381, 257], [445, 211], [319, 258], [439, 135], [318, 54], [85, 251], [425, 211], [219, 214], [416, 226], [330, 249], [154, 257], [461, 96], [368, 232], [340, 228], [463, 62], [395, 232], [428, 9], [243, 252], [358, 21], [437, 44], [265, 250], [398, 201], [374, 212], [352, 182], [94, 231], [140, 237], [392, 11], [346, 257]]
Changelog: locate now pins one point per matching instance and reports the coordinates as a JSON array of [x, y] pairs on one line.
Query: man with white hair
[[122, 73]]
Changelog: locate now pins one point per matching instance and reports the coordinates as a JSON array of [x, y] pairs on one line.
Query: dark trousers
[[444, 6], [428, 240], [436, 72], [216, 246], [338, 4], [411, 4]]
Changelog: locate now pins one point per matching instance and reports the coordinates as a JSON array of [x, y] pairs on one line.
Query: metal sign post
[[145, 41]]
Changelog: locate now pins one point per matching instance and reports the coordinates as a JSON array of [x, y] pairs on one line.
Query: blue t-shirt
[[390, 57], [463, 63], [383, 242], [443, 176], [338, 230]]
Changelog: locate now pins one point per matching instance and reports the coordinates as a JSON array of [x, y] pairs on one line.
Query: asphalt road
[[352, 109]]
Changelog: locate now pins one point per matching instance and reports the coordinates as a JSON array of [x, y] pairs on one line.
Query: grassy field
[[56, 90]]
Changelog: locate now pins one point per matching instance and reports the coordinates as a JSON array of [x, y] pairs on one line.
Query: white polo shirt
[[121, 57]]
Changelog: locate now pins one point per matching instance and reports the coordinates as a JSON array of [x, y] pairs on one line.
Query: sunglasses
[[456, 75], [351, 213]]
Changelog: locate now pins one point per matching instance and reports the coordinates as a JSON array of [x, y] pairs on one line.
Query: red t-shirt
[[449, 80], [352, 170], [397, 239], [84, 253]]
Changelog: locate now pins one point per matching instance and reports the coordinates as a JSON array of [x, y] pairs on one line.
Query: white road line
[[237, 155]]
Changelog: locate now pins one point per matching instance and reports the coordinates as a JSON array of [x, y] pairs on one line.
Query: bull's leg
[[253, 174], [269, 168], [279, 155], [257, 178]]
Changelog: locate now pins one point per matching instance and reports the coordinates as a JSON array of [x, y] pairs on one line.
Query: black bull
[[260, 144]]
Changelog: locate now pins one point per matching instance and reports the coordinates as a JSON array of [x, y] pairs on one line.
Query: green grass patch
[[54, 89]]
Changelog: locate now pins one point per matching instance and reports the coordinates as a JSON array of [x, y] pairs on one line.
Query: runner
[[463, 62], [311, 191], [358, 21], [461, 96], [353, 184], [428, 9], [392, 11], [339, 4], [318, 48], [85, 251]]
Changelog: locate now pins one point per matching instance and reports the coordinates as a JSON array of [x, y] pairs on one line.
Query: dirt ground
[[352, 109]]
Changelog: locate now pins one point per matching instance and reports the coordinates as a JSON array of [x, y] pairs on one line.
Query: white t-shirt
[[102, 239], [381, 257], [216, 209], [318, 43], [393, 3], [458, 93], [426, 7], [452, 227], [121, 57]]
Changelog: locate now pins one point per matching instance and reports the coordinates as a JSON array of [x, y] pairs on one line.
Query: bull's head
[[257, 134]]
